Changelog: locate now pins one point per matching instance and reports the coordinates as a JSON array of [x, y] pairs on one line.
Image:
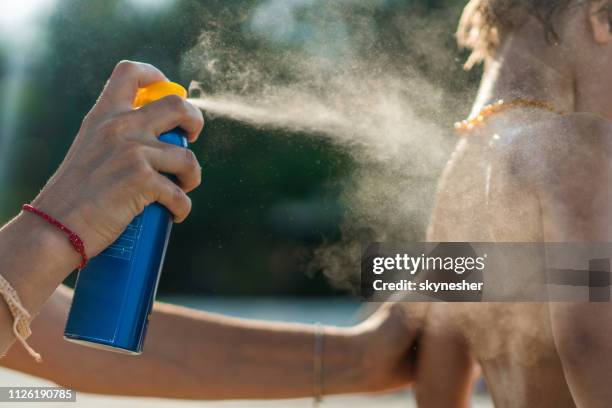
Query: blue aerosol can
[[114, 294]]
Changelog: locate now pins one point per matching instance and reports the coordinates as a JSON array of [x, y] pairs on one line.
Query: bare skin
[[513, 343], [198, 355], [529, 175]]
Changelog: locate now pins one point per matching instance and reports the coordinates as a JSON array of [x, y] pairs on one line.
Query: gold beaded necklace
[[499, 106]]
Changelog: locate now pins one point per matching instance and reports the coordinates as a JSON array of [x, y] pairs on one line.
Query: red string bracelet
[[73, 237]]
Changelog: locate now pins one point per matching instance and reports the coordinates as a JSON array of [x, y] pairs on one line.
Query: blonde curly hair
[[484, 23]]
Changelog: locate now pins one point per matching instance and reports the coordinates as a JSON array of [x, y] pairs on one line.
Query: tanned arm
[[198, 355]]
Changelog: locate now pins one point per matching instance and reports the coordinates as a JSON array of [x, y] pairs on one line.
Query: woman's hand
[[112, 171], [388, 341]]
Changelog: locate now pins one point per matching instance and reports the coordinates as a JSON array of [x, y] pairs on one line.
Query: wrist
[[38, 257], [49, 240], [74, 238], [71, 215], [344, 366]]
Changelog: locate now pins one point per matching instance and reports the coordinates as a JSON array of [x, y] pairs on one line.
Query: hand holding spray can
[[114, 294]]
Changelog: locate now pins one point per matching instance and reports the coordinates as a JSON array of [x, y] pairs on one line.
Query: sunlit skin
[[549, 178]]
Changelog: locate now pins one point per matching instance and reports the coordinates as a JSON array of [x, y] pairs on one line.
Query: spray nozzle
[[156, 91]]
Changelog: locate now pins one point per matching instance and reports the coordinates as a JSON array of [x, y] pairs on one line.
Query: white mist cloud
[[315, 78]]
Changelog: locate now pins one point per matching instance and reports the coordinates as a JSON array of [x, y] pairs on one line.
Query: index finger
[[127, 77], [170, 112]]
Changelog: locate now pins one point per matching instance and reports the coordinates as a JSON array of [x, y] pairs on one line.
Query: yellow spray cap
[[158, 90]]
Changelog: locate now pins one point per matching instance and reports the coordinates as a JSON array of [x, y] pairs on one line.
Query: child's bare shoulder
[[575, 146]]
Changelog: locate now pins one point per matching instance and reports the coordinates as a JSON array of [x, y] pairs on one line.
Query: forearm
[[230, 358], [34, 259], [197, 355]]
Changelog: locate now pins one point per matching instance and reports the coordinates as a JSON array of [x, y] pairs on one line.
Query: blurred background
[[271, 197]]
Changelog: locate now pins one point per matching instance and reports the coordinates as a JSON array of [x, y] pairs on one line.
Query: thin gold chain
[[499, 106]]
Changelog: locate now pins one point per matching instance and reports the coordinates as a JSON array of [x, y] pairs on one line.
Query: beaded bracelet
[[73, 237]]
